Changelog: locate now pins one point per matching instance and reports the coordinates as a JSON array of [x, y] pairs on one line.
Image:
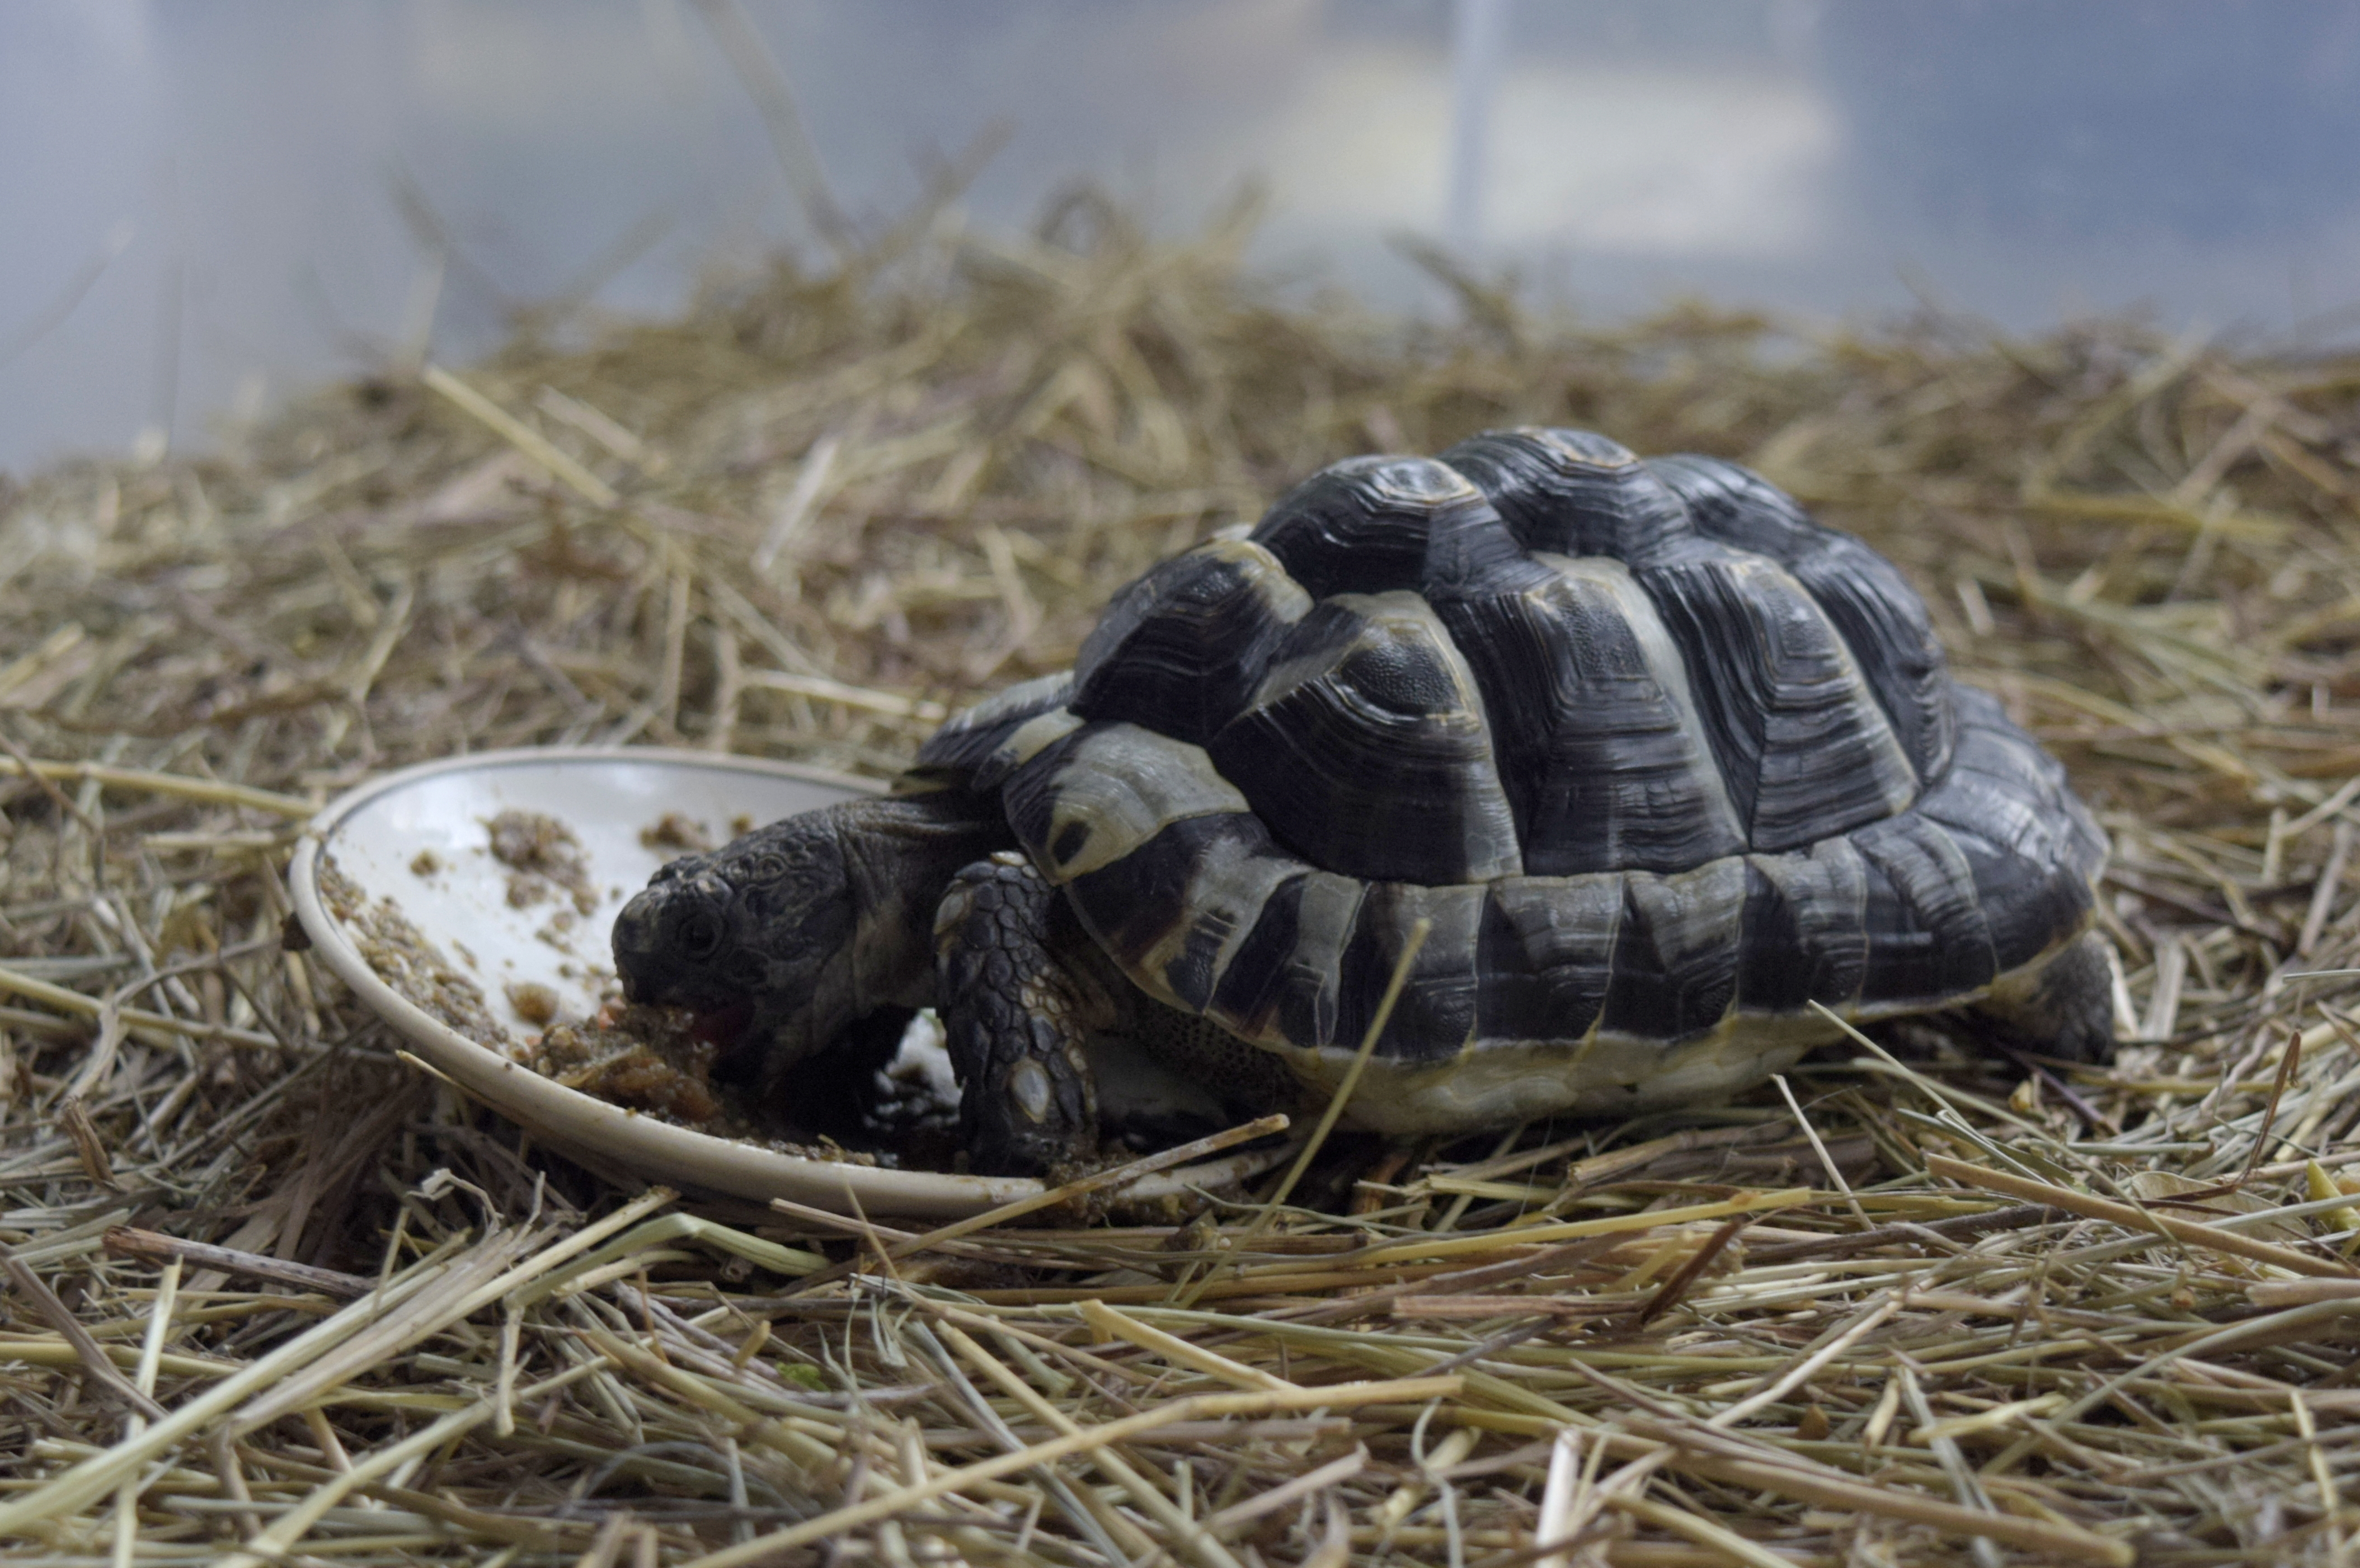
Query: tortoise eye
[[699, 934], [769, 868]]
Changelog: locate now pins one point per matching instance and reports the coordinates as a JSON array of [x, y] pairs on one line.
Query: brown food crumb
[[543, 857], [673, 831], [405, 961], [428, 863], [534, 1003], [648, 1060], [557, 932], [640, 1080]]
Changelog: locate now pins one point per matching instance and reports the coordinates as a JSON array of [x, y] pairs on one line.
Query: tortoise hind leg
[[1014, 1018], [2066, 1008]]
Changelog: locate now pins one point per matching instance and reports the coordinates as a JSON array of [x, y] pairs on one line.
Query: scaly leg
[[1014, 1017]]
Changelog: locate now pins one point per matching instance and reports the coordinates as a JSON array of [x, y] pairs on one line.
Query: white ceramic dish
[[418, 839]]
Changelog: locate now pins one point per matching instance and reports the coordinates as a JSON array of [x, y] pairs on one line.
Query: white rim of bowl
[[607, 1138]]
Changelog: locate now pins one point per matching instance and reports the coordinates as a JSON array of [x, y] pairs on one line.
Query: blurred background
[[209, 202]]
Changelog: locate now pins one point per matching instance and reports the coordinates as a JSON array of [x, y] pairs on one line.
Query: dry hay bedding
[[268, 1286]]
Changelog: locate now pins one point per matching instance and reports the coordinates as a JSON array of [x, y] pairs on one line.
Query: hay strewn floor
[[271, 1292]]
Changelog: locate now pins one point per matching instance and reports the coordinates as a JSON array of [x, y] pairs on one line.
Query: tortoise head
[[759, 932]]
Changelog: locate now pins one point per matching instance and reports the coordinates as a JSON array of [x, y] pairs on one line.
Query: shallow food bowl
[[417, 840]]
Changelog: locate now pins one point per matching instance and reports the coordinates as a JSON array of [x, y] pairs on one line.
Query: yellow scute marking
[[1121, 786]]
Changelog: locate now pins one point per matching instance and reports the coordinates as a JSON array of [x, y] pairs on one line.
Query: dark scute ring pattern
[[1537, 653]]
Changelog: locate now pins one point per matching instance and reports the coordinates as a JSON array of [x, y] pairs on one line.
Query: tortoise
[[1624, 763]]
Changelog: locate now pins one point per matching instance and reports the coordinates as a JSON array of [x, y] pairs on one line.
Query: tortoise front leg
[[1014, 1017]]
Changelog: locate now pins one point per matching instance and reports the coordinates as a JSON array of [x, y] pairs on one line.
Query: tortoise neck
[[900, 854]]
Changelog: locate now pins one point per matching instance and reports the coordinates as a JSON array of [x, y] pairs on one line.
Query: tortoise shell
[[1656, 757]]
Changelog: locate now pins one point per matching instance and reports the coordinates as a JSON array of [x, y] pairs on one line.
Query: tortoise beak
[[636, 945]]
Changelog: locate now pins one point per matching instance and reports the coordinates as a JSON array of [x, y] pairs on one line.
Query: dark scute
[[1989, 740], [1883, 620], [1028, 794], [2029, 906], [2003, 787], [960, 752], [1376, 766], [1598, 766], [1802, 937], [1236, 871], [1400, 677], [2032, 847], [1927, 935], [1675, 970], [1470, 550], [1324, 911], [1990, 787], [1179, 650], [1805, 750], [1191, 976], [1547, 954], [1435, 1016], [1132, 904], [1573, 493], [1891, 637], [1771, 974], [1361, 525], [1738, 506], [1262, 988]]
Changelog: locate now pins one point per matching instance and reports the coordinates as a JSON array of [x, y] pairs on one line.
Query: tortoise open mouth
[[722, 1026]]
